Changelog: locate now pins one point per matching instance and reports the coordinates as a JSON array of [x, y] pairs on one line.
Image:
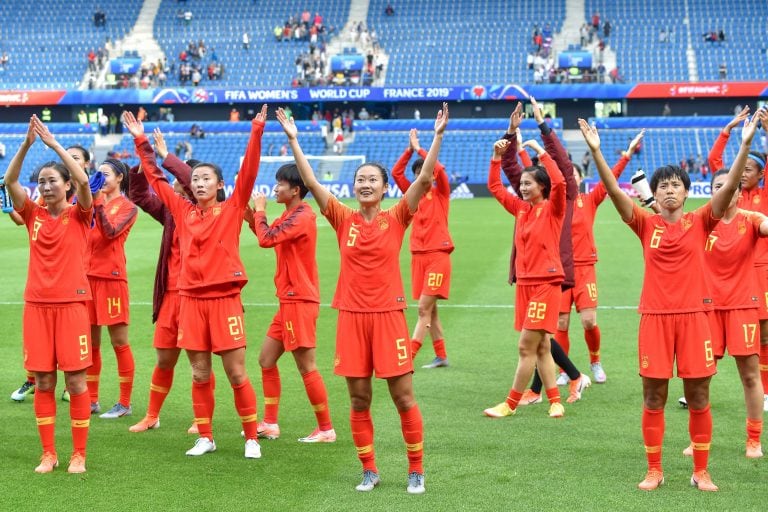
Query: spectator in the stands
[[723, 70], [389, 10], [112, 123], [196, 131], [4, 60], [667, 110], [99, 18], [363, 114], [234, 115], [607, 29], [187, 17], [721, 35], [584, 34], [663, 35], [184, 146]]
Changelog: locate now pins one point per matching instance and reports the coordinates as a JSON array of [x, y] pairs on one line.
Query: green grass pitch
[[590, 460]]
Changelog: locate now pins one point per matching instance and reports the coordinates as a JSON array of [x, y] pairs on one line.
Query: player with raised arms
[[211, 278], [56, 326], [431, 248], [539, 215], [674, 305], [371, 332]]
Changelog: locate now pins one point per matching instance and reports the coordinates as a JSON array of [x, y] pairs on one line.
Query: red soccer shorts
[[431, 274], [167, 325], [56, 335], [368, 342], [682, 336], [537, 307], [109, 305], [584, 292], [762, 286], [295, 324], [737, 330], [211, 325]]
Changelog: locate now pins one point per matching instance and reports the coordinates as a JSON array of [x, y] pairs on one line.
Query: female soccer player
[[82, 157], [431, 248], [293, 329], [165, 300], [539, 213], [114, 217], [56, 326], [673, 305], [753, 197], [210, 279], [372, 334], [584, 292]]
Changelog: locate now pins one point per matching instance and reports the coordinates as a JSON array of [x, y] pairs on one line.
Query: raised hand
[[635, 142], [516, 118], [259, 202], [737, 120], [519, 137], [413, 140], [534, 145], [749, 130], [262, 115], [536, 111], [442, 120], [31, 133], [289, 126], [500, 147], [43, 132], [591, 137], [133, 125], [161, 148]]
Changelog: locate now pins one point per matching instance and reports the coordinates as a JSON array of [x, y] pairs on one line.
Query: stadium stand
[[49, 51], [268, 63]]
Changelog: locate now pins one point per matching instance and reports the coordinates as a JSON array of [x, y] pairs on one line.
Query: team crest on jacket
[[686, 223], [383, 223], [579, 202], [538, 212], [756, 200], [114, 210], [216, 211], [742, 227], [65, 218], [429, 195]]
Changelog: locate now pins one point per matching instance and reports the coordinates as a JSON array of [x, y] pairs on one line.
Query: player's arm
[[398, 170], [424, 180], [139, 194], [522, 154], [509, 164], [443, 184], [509, 201], [557, 151], [291, 228], [78, 176], [173, 164], [715, 156], [722, 197], [319, 192], [16, 218], [557, 193], [250, 168], [598, 193], [621, 201], [122, 221], [12, 186], [154, 175]]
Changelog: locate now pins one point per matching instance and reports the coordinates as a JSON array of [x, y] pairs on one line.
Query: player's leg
[[271, 350], [764, 360], [80, 417], [93, 374], [696, 392], [245, 398], [750, 380], [592, 337], [655, 392], [361, 425], [45, 416], [317, 394], [401, 391], [160, 386], [118, 334], [203, 401]]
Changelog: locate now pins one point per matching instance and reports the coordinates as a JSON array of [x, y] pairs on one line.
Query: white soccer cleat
[[202, 446], [252, 449], [598, 373], [562, 379]]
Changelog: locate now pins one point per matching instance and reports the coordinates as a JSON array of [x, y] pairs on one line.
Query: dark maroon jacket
[[513, 170], [138, 192]]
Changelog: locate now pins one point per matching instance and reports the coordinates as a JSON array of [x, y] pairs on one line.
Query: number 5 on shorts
[[402, 351]]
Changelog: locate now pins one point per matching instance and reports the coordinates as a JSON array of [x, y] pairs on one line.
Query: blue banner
[[125, 65], [578, 59], [347, 62]]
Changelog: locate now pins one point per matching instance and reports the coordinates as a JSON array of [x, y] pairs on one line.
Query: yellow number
[[592, 291], [710, 242], [235, 325], [749, 334], [353, 232], [709, 355], [766, 300], [35, 228], [83, 346], [402, 350], [537, 310], [113, 303], [656, 238], [434, 280], [289, 328]]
